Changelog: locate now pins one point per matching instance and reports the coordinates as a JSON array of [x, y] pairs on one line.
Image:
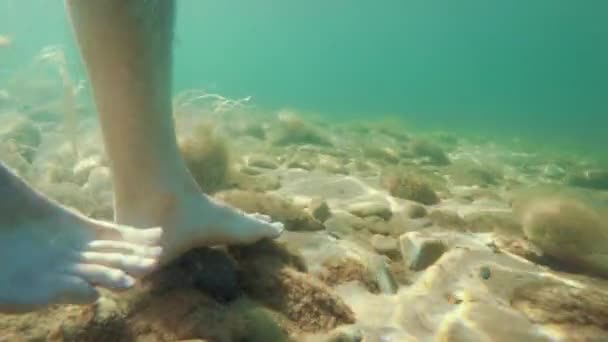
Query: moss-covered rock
[[207, 157], [410, 186]]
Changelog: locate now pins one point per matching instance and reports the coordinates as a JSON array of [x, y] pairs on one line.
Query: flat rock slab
[[317, 184]]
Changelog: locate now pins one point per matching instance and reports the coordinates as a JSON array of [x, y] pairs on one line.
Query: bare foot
[[192, 219], [59, 259]]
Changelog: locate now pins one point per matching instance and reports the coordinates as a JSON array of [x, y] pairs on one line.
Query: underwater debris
[[207, 157], [199, 102], [56, 56]]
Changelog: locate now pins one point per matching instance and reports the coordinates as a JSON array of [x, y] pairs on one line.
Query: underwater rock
[[250, 171], [344, 334], [447, 219], [319, 209], [371, 208], [409, 186], [83, 167], [591, 179], [415, 211], [207, 157], [341, 270], [300, 163], [420, 252], [291, 129], [304, 300], [12, 158], [24, 135], [213, 272], [343, 224], [386, 245], [280, 209], [261, 162], [331, 165], [464, 172], [569, 231], [581, 311], [99, 179], [377, 266], [492, 221], [554, 171], [384, 154], [260, 325], [377, 225], [520, 247], [260, 183], [426, 149]]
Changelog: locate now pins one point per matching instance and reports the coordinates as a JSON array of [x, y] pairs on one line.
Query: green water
[[535, 69]]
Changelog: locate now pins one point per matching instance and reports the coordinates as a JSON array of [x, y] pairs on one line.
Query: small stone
[[416, 211], [420, 252], [385, 245], [261, 162], [377, 225], [300, 164], [330, 164], [485, 273], [369, 208], [319, 209], [553, 171], [83, 168], [380, 272], [250, 171], [342, 224], [345, 334], [448, 219]]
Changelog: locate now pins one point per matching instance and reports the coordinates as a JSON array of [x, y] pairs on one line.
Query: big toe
[[249, 228]]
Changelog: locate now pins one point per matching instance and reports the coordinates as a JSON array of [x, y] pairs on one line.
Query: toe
[[262, 217], [103, 276], [143, 236], [148, 236], [133, 265], [126, 248]]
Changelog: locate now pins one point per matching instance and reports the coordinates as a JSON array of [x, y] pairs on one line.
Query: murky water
[[440, 169]]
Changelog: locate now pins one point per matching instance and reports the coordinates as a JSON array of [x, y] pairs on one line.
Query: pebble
[[386, 245], [369, 208], [319, 209], [420, 252], [262, 162]]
